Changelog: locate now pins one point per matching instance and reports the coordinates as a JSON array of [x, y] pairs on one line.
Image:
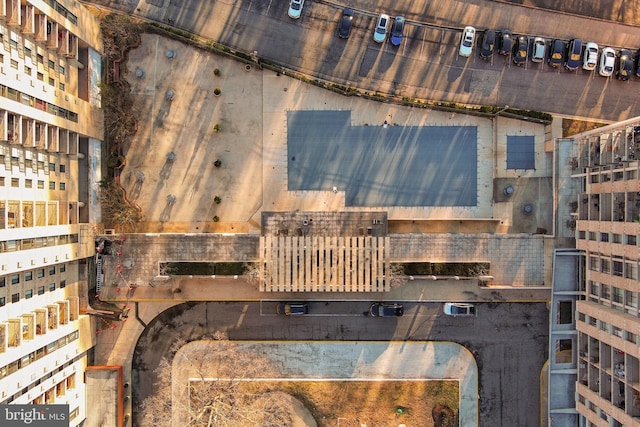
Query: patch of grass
[[372, 403], [572, 127]]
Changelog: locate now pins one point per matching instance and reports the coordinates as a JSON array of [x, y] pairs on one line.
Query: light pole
[[506, 107]]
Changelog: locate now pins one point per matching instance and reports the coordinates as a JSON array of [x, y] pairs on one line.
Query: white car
[[466, 41], [380, 33], [295, 8], [590, 56], [607, 62], [538, 49], [459, 309]]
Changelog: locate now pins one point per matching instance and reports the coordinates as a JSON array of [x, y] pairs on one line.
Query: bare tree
[[208, 383], [396, 275]]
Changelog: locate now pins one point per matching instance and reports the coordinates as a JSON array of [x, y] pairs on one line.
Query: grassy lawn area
[[374, 403]]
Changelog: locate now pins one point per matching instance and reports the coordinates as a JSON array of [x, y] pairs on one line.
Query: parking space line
[[269, 7]]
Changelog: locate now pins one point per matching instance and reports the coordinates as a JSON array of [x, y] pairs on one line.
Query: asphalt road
[[509, 341], [426, 65]]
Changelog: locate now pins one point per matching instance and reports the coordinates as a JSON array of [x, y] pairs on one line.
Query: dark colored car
[[556, 52], [383, 309], [344, 29], [574, 54], [397, 30], [292, 308], [638, 63], [626, 65], [488, 44], [505, 42], [520, 50]]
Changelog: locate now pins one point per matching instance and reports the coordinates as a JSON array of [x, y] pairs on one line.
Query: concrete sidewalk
[[179, 289]]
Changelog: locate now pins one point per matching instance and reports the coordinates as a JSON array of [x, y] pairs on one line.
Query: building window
[[631, 239], [13, 43], [40, 58], [631, 299], [1, 181], [52, 64], [27, 70], [52, 185], [15, 182], [52, 286], [40, 273], [605, 292], [15, 297], [28, 293], [593, 263], [63, 284], [52, 270], [592, 235], [52, 81], [617, 295], [28, 163], [15, 279], [61, 86], [3, 301], [40, 184], [604, 237], [52, 167], [40, 290], [593, 289], [28, 183], [616, 238], [40, 76], [3, 282], [63, 186], [28, 276], [632, 338], [63, 268], [605, 266], [63, 168], [61, 69], [14, 64]]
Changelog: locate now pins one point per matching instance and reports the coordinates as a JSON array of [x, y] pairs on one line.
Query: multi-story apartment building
[[50, 132], [607, 319]]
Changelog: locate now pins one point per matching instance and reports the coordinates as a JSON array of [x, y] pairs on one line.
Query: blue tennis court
[[378, 166]]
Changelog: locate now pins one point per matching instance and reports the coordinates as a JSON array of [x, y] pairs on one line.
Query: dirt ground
[[372, 403]]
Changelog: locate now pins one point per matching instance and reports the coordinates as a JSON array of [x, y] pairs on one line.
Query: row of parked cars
[[394, 28], [571, 55], [379, 309]]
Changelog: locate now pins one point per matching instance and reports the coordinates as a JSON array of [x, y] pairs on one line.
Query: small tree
[[217, 91], [216, 71], [202, 384], [215, 218], [217, 163], [217, 200], [217, 127]]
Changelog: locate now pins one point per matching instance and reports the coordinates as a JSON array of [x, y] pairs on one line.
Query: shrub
[[217, 200], [217, 91], [216, 71], [217, 163], [216, 219]]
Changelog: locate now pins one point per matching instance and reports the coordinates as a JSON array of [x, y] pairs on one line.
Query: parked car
[[537, 50], [459, 309], [607, 62], [384, 309], [295, 8], [574, 53], [638, 63], [292, 308], [505, 42], [520, 50], [626, 65], [397, 30], [590, 59], [466, 41], [344, 28], [556, 52], [382, 24], [488, 44]]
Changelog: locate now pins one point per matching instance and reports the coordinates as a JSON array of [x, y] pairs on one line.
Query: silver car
[[538, 49]]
